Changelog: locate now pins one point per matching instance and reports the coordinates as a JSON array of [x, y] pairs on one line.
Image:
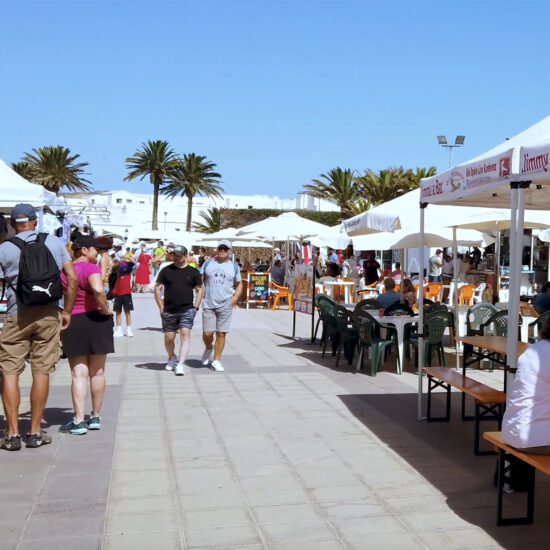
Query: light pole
[[459, 141], [165, 214], [125, 235]]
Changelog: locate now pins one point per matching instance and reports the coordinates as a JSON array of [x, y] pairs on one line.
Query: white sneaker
[[129, 332], [206, 356], [118, 332], [179, 369], [171, 363], [217, 366]]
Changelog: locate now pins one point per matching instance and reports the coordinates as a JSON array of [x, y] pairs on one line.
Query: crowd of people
[[61, 299]]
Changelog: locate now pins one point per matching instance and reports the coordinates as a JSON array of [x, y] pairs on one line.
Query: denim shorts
[[172, 322]]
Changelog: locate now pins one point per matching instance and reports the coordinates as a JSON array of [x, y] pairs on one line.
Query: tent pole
[[497, 267], [455, 298], [421, 311]]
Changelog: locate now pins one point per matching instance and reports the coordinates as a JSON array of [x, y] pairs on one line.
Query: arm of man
[[70, 294], [96, 284], [198, 296], [158, 298], [236, 296]]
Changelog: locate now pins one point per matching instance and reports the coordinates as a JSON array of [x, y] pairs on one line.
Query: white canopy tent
[[512, 175]]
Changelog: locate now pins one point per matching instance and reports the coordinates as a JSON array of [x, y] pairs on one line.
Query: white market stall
[[512, 175]]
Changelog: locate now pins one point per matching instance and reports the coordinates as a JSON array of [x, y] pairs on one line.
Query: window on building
[[250, 207], [119, 201], [128, 201], [93, 201], [141, 202]]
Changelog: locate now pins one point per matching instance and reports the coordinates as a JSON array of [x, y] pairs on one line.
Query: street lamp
[[459, 141]]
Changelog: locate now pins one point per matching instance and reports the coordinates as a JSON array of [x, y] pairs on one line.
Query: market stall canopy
[[286, 226], [406, 238], [372, 221], [15, 189], [491, 223], [485, 179]]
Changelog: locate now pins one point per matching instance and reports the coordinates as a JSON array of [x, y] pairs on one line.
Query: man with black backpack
[[30, 266]]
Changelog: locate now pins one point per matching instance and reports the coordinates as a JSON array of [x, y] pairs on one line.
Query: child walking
[[122, 292]]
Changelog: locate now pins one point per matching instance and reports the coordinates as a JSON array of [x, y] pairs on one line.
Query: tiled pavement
[[279, 452]]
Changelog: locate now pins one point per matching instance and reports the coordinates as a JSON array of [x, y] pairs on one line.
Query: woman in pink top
[[89, 337]]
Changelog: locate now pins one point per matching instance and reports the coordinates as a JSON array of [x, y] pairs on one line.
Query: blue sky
[[273, 92]]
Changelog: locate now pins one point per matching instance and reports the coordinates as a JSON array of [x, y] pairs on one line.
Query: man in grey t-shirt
[[222, 288], [30, 329]]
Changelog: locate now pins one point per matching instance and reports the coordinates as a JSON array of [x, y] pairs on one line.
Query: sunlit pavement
[[280, 451]]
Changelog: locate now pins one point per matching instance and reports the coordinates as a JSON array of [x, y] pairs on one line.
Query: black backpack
[[39, 279]]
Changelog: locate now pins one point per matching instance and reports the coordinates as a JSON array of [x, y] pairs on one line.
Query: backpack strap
[[42, 238], [18, 242]]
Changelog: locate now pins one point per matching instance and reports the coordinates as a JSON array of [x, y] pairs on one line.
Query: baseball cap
[[438, 251], [225, 242], [23, 210], [180, 250], [87, 241]]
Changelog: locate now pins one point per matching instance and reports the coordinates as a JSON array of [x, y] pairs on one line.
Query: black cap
[[86, 241]]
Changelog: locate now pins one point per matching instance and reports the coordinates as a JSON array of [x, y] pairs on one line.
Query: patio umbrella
[[287, 226], [333, 237]]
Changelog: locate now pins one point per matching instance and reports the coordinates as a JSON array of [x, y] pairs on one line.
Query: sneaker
[[217, 366], [38, 439], [10, 442], [94, 423], [206, 356], [171, 363], [129, 332], [118, 332], [74, 429], [179, 369]]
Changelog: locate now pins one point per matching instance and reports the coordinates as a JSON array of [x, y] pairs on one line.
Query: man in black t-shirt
[[178, 306], [371, 269]]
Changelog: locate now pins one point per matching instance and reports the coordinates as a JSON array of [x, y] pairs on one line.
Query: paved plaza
[[280, 452]]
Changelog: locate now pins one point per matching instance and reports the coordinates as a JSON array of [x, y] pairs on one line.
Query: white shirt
[[526, 421]]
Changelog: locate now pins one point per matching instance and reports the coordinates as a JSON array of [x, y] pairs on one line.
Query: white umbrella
[[333, 237], [499, 220], [287, 226], [372, 221], [235, 243], [229, 233]]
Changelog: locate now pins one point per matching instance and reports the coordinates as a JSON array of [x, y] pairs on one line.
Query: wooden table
[[490, 348]]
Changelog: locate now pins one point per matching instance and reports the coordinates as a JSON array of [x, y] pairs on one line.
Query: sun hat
[[225, 242], [23, 210]]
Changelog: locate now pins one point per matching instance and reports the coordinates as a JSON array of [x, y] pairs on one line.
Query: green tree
[[359, 206], [385, 185], [23, 169], [420, 173], [157, 160], [338, 186], [212, 219], [55, 168], [193, 175]]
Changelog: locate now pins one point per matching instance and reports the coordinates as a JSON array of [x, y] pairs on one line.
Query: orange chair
[[367, 291], [281, 292], [432, 291], [465, 294]]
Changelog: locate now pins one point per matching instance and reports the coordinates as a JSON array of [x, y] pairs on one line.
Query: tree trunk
[[189, 213], [154, 223]]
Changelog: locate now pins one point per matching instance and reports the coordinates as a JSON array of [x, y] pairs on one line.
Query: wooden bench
[[488, 401], [535, 462]]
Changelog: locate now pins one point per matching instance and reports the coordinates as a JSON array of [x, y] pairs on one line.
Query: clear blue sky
[[273, 92]]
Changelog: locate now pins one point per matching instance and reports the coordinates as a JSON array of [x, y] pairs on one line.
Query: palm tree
[[385, 185], [359, 206], [212, 221], [193, 175], [419, 174], [157, 160], [23, 169], [338, 186], [54, 167]]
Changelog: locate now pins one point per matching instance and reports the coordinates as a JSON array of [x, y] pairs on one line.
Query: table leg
[[400, 337]]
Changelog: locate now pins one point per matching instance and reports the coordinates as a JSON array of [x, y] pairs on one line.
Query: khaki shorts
[[34, 329], [218, 320]]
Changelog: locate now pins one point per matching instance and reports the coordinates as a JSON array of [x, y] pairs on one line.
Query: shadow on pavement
[[154, 329], [191, 363], [442, 453]]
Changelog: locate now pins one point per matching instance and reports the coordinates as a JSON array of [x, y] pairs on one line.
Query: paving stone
[[147, 522], [222, 536], [219, 517], [143, 541], [296, 531], [286, 513]]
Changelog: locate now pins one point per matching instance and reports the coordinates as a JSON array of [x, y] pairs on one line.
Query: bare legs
[[12, 398], [169, 338], [118, 318], [170, 346], [87, 369], [219, 344]]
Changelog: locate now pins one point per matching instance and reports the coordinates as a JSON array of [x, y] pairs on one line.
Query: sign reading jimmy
[[302, 297]]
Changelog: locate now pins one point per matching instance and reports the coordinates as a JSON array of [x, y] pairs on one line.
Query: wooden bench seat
[[535, 462], [488, 401]]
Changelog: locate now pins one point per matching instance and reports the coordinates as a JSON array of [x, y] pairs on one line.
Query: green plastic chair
[[477, 315], [368, 304], [368, 330], [346, 335], [539, 322], [322, 318], [497, 325], [436, 323], [326, 314]]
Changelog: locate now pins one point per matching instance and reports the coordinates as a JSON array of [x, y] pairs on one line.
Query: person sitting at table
[[409, 292], [396, 273], [247, 266], [389, 297], [542, 301], [331, 272], [277, 273], [526, 422]]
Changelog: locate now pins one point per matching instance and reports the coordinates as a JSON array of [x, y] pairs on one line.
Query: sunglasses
[[223, 248]]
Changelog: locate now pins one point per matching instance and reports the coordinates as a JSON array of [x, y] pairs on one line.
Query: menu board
[[302, 297], [258, 288]]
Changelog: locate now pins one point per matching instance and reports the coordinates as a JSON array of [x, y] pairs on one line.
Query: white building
[[123, 212]]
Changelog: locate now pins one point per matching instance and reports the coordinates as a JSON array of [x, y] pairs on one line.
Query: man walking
[[222, 288], [435, 264], [30, 327], [179, 306]]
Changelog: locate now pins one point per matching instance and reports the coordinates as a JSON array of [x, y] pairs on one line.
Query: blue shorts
[[172, 322]]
